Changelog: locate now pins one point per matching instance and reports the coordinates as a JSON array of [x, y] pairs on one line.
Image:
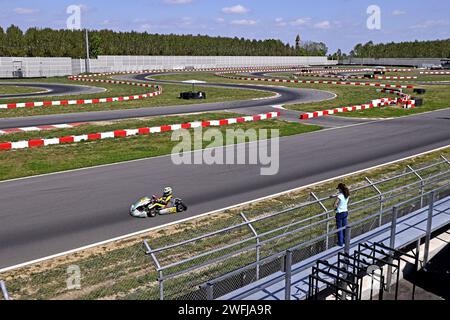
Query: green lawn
[[17, 90], [28, 162]]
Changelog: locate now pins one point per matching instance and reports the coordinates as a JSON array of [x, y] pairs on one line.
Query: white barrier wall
[[12, 67], [130, 63], [419, 62]]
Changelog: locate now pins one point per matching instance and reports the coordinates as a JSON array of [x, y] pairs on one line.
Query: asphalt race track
[[50, 214], [49, 89], [286, 96]]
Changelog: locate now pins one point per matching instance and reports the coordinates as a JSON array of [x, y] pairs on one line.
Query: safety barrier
[[133, 132]]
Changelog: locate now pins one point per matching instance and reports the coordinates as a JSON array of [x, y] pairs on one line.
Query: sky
[[339, 23]]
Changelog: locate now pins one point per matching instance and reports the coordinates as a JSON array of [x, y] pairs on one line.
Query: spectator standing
[[341, 208]]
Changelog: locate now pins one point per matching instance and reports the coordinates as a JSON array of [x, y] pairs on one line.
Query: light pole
[[88, 64]]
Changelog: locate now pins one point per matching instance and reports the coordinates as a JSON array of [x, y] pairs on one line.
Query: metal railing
[[289, 272], [221, 261]]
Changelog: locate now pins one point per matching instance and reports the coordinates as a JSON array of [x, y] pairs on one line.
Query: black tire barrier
[[192, 95], [420, 91], [419, 102]]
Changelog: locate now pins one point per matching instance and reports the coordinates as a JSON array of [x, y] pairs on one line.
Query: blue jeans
[[341, 222]]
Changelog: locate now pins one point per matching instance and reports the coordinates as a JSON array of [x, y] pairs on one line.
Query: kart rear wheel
[[152, 213]]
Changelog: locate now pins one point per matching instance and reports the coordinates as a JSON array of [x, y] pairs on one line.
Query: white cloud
[[185, 22], [324, 25], [238, 9], [177, 1], [244, 22], [220, 20], [25, 10], [146, 26], [279, 22], [398, 12], [300, 22], [431, 24]]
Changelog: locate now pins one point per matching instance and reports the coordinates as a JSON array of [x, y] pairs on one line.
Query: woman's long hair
[[345, 191]]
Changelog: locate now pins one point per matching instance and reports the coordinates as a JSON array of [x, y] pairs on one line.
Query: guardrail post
[[288, 274], [422, 184], [258, 246], [428, 234], [327, 239], [209, 291], [4, 290], [158, 268], [392, 245], [348, 235], [380, 222]]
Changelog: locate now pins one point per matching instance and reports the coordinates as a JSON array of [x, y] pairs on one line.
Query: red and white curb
[[406, 99], [133, 132], [42, 128], [333, 70], [88, 101], [375, 104], [435, 72], [395, 77], [368, 84], [245, 69]]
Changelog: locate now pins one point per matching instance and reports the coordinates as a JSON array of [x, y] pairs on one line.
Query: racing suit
[[165, 202]]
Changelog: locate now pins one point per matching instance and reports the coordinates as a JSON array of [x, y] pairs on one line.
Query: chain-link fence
[[106, 273], [220, 261]]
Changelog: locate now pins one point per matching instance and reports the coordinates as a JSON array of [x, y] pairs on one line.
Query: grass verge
[[17, 90], [28, 162]]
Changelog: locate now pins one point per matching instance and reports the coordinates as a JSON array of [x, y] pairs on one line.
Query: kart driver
[[167, 199]]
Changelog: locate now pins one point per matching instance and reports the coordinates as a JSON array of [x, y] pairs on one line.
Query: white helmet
[[168, 191]]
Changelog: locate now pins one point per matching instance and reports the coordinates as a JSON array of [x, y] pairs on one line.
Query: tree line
[[411, 49], [36, 42]]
